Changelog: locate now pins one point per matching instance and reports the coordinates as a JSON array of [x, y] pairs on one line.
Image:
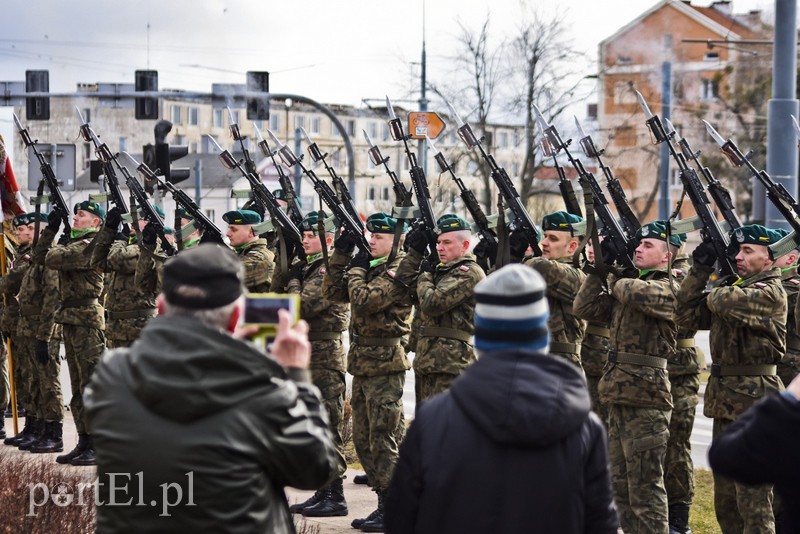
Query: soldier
[[445, 301], [79, 313], [39, 339], [327, 320], [377, 359], [185, 221], [594, 353], [9, 243], [789, 366], [747, 321], [562, 235], [635, 385], [259, 261], [24, 361], [684, 376], [130, 303]]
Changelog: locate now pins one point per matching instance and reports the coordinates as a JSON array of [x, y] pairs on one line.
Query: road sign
[[427, 123]]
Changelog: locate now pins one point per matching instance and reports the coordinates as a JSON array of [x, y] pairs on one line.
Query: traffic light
[[149, 159], [258, 108], [38, 108], [165, 155], [146, 107]]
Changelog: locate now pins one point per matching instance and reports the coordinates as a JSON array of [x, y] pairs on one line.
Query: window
[[350, 125], [385, 132], [711, 56], [372, 128], [516, 138], [274, 123], [299, 121], [514, 170], [623, 60], [235, 116], [176, 115], [193, 148], [193, 116], [675, 179], [385, 193], [709, 89], [503, 139], [216, 120], [123, 144], [371, 192], [87, 114], [314, 125], [210, 213]]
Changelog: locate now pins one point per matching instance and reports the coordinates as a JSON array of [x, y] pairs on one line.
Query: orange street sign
[[421, 124]]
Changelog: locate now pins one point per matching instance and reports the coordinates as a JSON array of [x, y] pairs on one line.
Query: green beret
[[383, 223], [280, 194], [24, 219], [241, 217], [450, 222], [168, 230], [657, 230], [183, 214], [755, 234], [92, 207], [158, 209], [562, 221], [309, 222]]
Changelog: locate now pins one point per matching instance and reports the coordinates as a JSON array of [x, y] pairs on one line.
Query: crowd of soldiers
[[630, 330]]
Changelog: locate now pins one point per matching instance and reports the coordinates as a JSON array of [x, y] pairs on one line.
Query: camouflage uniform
[[377, 360], [5, 383], [327, 320], [129, 302], [24, 363], [445, 304], [563, 282], [789, 366], [636, 388], [684, 376], [79, 313], [259, 265], [594, 355], [747, 323]]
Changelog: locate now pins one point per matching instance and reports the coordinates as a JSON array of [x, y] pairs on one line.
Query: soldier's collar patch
[[760, 285], [795, 281], [390, 273]]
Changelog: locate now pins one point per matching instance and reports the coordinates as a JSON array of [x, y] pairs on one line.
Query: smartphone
[[261, 309]]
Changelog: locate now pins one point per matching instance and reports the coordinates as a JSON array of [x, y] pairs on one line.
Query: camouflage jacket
[[747, 324], [39, 299], [9, 285], [563, 282], [685, 360], [378, 310], [80, 284], [789, 366], [129, 302], [259, 264], [322, 315], [445, 300], [641, 312]]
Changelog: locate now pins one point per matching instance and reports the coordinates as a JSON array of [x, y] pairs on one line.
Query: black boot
[[361, 479], [87, 457], [311, 501], [331, 504], [51, 441], [376, 523], [37, 427], [679, 519], [74, 453], [3, 428], [14, 441]]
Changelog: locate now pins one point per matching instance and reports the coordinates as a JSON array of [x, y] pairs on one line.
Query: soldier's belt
[[77, 303], [637, 359], [598, 331], [793, 344], [319, 336], [372, 341], [685, 343], [132, 314], [440, 331], [743, 370], [569, 348]]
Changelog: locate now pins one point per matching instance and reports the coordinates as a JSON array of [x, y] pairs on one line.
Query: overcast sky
[[333, 51]]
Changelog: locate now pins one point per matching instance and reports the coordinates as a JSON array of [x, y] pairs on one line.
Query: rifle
[[286, 184], [107, 159], [56, 197], [630, 223], [401, 194], [148, 211], [426, 222], [720, 194], [338, 184], [325, 193], [694, 188], [522, 219], [185, 201], [564, 185]]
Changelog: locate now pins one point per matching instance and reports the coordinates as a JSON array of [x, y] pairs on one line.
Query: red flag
[[10, 196]]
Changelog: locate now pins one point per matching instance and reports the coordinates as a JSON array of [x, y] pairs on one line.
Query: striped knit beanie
[[511, 310]]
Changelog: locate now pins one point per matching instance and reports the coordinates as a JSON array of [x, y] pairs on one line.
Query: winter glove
[[417, 240], [113, 218], [705, 254], [210, 237], [345, 244], [54, 219], [149, 234], [486, 249], [296, 273], [64, 239], [609, 251], [427, 266], [518, 244], [360, 261], [42, 351]]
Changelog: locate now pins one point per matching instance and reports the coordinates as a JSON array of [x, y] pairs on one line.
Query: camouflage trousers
[[572, 357], [332, 386], [741, 508], [377, 403], [426, 385], [46, 400], [83, 347], [637, 444], [119, 343], [23, 374], [678, 465], [600, 409], [789, 366]]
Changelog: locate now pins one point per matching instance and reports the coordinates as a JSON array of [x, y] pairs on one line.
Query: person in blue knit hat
[[514, 412]]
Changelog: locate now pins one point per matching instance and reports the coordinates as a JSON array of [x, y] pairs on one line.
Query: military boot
[[331, 504], [679, 519], [357, 523], [51, 441], [376, 523], [3, 428], [66, 458], [361, 479], [37, 427], [14, 441], [311, 501], [87, 457]]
